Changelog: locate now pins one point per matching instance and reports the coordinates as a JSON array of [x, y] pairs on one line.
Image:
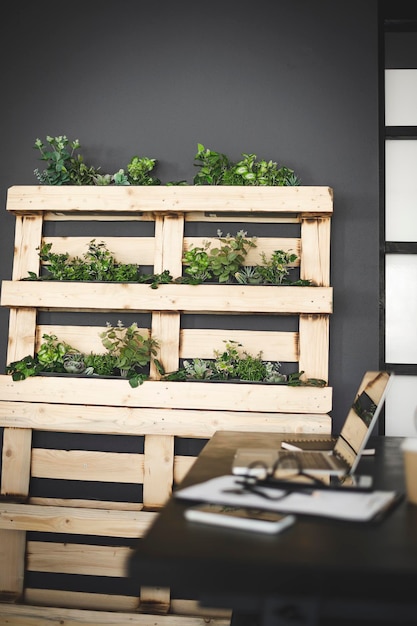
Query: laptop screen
[[362, 417]]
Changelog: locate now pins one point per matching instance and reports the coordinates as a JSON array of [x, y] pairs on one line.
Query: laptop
[[346, 452]]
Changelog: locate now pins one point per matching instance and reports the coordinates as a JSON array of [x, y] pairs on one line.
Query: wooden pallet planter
[[40, 530]]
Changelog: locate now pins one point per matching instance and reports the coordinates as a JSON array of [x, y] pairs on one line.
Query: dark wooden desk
[[317, 567]]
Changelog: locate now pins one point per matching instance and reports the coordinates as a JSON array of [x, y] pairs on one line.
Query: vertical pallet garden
[[86, 463]]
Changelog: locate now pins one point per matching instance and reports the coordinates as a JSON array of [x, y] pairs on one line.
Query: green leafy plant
[[232, 363], [97, 264], [101, 364], [226, 259], [74, 363], [64, 165], [218, 169], [220, 262], [248, 275], [128, 352], [24, 368], [235, 363], [273, 271], [197, 263], [296, 380], [213, 166], [138, 171], [131, 349], [52, 352]]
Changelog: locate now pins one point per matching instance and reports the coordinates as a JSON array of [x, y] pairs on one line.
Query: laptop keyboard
[[309, 460]]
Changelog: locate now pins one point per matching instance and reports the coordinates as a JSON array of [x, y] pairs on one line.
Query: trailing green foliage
[[127, 353]]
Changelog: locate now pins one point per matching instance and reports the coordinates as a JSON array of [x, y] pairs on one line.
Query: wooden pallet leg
[[14, 482], [159, 468]]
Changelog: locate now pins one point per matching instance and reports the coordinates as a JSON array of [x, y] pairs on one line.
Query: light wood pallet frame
[[158, 411]]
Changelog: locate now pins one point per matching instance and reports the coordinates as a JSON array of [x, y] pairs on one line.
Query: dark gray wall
[[296, 82]]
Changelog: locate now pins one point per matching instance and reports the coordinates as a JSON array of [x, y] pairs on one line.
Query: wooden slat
[[106, 602], [22, 328], [194, 342], [18, 615], [169, 234], [136, 250], [119, 199], [122, 420], [159, 470], [166, 330], [12, 570], [15, 477], [315, 265], [168, 395], [182, 465], [275, 346], [223, 299], [80, 600], [141, 250], [81, 559], [118, 467], [263, 245], [155, 599], [102, 523], [86, 504], [314, 346], [15, 473], [28, 233]]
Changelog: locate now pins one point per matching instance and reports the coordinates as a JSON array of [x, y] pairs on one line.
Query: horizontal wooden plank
[[86, 504], [240, 299], [89, 465], [107, 602], [80, 600], [264, 245], [182, 464], [136, 250], [200, 423], [194, 342], [102, 523], [24, 615], [141, 250], [132, 199], [167, 395], [274, 345], [81, 559]]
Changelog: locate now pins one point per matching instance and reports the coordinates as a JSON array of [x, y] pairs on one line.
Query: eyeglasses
[[286, 475]]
